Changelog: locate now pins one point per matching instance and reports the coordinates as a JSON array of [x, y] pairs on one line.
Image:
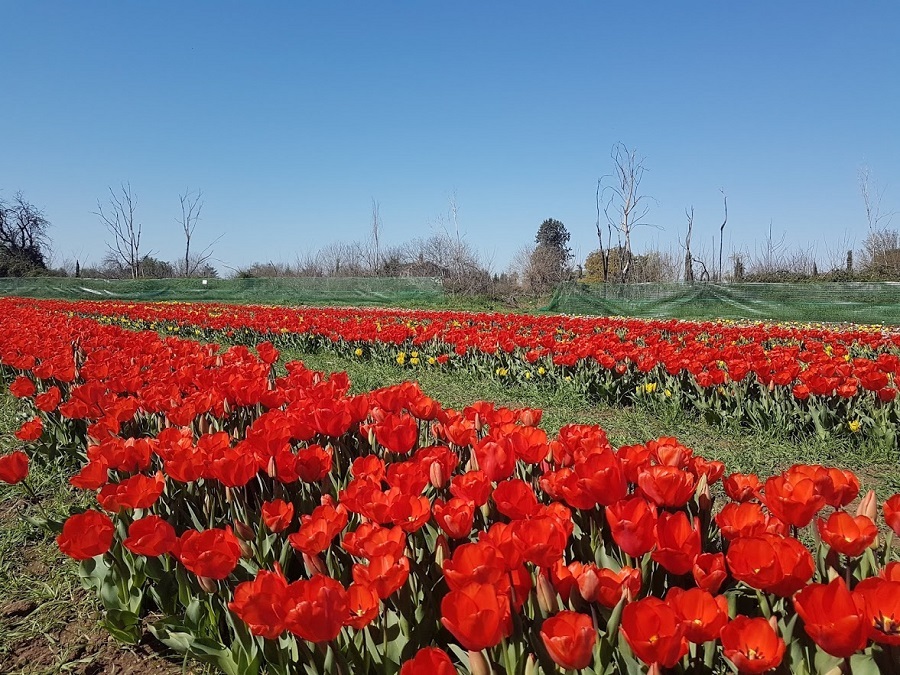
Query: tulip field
[[261, 516]]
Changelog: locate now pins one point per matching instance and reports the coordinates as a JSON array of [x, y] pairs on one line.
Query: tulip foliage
[[281, 524]]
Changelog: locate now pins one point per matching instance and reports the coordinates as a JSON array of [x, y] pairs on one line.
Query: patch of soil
[[81, 647], [68, 637]]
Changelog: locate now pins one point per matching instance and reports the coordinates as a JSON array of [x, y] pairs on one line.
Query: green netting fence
[[869, 303], [392, 292]]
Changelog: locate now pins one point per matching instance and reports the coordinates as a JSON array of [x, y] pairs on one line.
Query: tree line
[[622, 207]]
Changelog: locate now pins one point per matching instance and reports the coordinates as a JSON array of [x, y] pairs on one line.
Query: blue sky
[[292, 116]]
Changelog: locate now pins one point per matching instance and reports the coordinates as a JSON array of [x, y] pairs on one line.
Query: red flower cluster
[[321, 516]]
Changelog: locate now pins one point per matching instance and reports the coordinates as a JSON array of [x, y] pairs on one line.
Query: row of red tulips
[[802, 379], [281, 523]]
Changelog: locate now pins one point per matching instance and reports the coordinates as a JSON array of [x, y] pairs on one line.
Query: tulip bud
[[546, 595], [478, 664], [207, 584], [246, 550], [271, 469], [701, 494], [441, 550], [228, 495], [244, 531], [203, 425], [436, 475], [773, 622], [868, 506], [371, 436], [225, 406], [314, 565], [531, 667]]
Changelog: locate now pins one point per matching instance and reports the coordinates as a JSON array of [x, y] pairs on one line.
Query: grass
[[741, 449]]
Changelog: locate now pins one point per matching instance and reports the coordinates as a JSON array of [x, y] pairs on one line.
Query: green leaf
[[825, 662], [123, 625], [864, 664]]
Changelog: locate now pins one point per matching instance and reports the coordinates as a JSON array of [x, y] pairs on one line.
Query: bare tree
[[625, 207], [604, 251], [688, 260], [118, 218], [191, 206], [721, 234], [880, 239], [836, 252], [376, 237]]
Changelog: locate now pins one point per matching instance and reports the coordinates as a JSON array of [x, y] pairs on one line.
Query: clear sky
[[292, 116]]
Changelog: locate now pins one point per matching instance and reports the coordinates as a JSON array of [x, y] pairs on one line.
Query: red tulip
[[833, 617], [633, 525], [752, 645], [384, 575], [13, 467], [542, 540], [86, 535], [49, 400], [569, 638], [319, 528], [213, 553], [262, 604], [318, 608], [31, 430], [709, 571], [745, 519], [515, 499], [397, 433], [892, 513], [22, 387], [881, 600], [601, 477], [429, 661], [363, 604], [93, 475], [454, 517], [677, 542], [277, 514], [151, 536], [496, 457], [667, 485], [842, 487], [654, 632], [846, 534], [702, 614], [473, 486], [601, 584], [476, 616], [793, 498], [779, 565], [480, 563], [135, 492]]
